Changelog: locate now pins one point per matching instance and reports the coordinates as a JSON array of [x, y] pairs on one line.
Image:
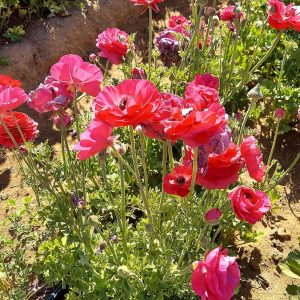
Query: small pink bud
[[212, 216], [92, 57], [138, 73], [238, 116], [65, 120], [120, 147], [279, 113], [298, 116], [23, 149]]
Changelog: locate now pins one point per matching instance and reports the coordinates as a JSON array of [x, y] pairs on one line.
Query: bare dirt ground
[[48, 40]]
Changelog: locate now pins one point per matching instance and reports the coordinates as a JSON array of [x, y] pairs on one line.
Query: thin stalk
[[164, 169], [201, 235], [194, 175], [105, 73], [150, 41], [170, 154], [144, 163], [297, 158], [245, 121], [123, 207], [272, 151], [138, 176]]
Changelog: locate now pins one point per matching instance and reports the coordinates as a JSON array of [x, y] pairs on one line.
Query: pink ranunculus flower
[[63, 120], [249, 205], [212, 216], [279, 113], [11, 98], [52, 95], [77, 74], [93, 140], [113, 44], [148, 3], [216, 277], [253, 158], [228, 14]]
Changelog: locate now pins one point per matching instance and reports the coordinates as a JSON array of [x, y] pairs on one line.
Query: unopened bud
[[101, 247], [138, 73], [114, 239], [210, 11], [23, 149], [92, 57], [255, 93], [279, 113], [65, 120], [212, 216], [74, 134], [215, 21]]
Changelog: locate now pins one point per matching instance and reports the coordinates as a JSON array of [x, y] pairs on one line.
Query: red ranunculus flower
[[216, 277], [93, 140], [148, 3], [113, 44], [179, 21], [129, 103], [179, 181], [284, 17], [222, 170], [9, 81], [212, 216], [228, 14], [11, 98], [249, 205], [26, 125], [138, 73], [77, 74], [253, 158], [154, 127]]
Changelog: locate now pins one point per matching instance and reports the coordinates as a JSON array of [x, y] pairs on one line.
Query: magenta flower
[[216, 277], [113, 44], [77, 74], [51, 95], [148, 3], [249, 205], [279, 113], [212, 216], [229, 14], [11, 98], [93, 140]]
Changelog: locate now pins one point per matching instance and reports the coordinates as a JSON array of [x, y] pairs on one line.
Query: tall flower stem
[[194, 175], [170, 154], [105, 73], [272, 151], [164, 170], [123, 206], [245, 121], [293, 164], [144, 163], [138, 176], [150, 41]]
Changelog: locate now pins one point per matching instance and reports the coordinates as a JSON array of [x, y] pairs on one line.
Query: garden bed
[[48, 40]]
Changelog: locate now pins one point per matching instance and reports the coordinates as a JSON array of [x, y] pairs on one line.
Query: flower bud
[[74, 134], [77, 201], [120, 147], [212, 216], [23, 149], [210, 11], [92, 57], [279, 113], [114, 239], [298, 115], [64, 120], [238, 116], [101, 247], [255, 93], [215, 20], [138, 73]]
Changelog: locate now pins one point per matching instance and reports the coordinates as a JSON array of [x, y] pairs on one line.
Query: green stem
[[144, 163], [170, 153], [272, 151], [150, 41], [245, 121], [297, 158], [105, 73], [194, 175], [164, 169], [138, 176], [123, 206]]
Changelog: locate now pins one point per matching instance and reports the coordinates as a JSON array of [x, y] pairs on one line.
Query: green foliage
[[15, 34]]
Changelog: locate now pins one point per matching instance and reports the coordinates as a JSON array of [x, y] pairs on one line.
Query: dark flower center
[[123, 103], [180, 180], [178, 22], [248, 196]]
